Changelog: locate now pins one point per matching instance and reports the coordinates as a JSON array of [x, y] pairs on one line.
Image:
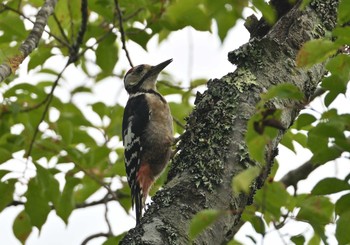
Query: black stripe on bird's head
[[143, 77]]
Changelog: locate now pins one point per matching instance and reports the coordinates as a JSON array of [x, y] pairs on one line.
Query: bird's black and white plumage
[[147, 131]]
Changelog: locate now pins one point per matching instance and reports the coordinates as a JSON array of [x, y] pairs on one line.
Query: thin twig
[[95, 236], [71, 21], [168, 84], [121, 30], [93, 177], [5, 111], [84, 19], [126, 18], [19, 4], [60, 28], [180, 124], [47, 101], [107, 220], [100, 39], [72, 58], [25, 17], [104, 201]]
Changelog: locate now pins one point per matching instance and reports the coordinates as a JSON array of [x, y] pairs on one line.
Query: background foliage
[[55, 153]]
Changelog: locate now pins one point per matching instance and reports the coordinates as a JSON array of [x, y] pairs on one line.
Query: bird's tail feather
[[138, 204]]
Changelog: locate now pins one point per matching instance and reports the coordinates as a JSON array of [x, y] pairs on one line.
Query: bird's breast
[[160, 126]]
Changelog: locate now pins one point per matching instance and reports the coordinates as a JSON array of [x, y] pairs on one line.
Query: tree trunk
[[213, 149]]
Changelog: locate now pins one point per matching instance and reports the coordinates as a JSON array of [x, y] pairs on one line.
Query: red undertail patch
[[145, 178]]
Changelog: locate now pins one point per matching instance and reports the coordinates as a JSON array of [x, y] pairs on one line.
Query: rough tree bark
[[212, 150]]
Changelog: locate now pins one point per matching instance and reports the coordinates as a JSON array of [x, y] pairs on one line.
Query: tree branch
[[106, 199], [213, 148], [294, 176], [31, 42], [121, 30]]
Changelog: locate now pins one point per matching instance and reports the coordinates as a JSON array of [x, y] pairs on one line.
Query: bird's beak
[[158, 68]]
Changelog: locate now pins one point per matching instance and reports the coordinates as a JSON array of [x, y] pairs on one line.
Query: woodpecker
[[147, 131]]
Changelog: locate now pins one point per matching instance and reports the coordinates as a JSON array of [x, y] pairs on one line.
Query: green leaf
[[139, 36], [317, 211], [198, 82], [283, 91], [3, 173], [105, 8], [273, 196], [343, 12], [304, 120], [107, 54], [69, 17], [67, 203], [37, 205], [287, 141], [342, 34], [315, 51], [101, 109], [298, 240], [325, 155], [22, 227], [342, 205], [330, 97], [342, 229], [339, 66], [258, 223], [315, 240], [38, 58], [97, 159], [114, 239], [65, 129], [26, 91], [225, 21], [4, 155], [125, 197], [256, 146], [13, 28], [202, 220], [6, 189], [304, 4], [225, 14], [81, 135], [234, 242], [319, 136], [50, 185], [267, 11], [329, 186], [243, 181], [81, 89], [86, 189], [72, 113], [186, 13], [301, 139], [115, 126]]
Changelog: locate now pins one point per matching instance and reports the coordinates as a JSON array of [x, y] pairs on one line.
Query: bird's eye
[[139, 69]]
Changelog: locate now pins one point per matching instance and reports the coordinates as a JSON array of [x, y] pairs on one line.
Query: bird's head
[[143, 77]]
